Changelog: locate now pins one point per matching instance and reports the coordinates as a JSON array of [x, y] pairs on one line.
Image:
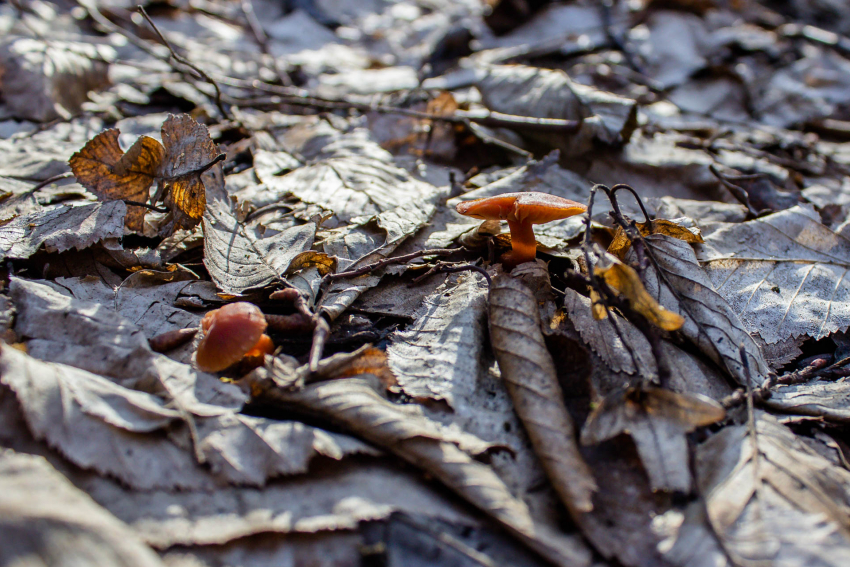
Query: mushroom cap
[[530, 207], [229, 333]]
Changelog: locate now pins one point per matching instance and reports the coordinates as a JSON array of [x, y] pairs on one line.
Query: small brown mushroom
[[229, 334], [521, 210]]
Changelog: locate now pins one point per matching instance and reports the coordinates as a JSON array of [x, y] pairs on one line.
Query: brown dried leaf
[[624, 279], [111, 174], [657, 421], [189, 151], [531, 380], [621, 243]]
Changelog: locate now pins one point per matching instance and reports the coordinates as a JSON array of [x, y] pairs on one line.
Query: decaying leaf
[[624, 279], [353, 403], [690, 373], [45, 520], [657, 421], [771, 499], [710, 322], [186, 153], [112, 174], [784, 274], [63, 228], [530, 377]]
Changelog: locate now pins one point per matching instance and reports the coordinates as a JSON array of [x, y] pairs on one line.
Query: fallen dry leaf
[[530, 377]]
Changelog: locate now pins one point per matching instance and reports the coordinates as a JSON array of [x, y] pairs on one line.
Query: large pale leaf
[[354, 404], [348, 173], [710, 322], [771, 499], [531, 380], [46, 521], [63, 228], [93, 337], [99, 425], [784, 274]]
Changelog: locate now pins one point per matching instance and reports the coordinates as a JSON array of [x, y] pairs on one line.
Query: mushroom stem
[[523, 244]]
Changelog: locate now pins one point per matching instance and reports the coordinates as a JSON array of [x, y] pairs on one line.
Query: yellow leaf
[[621, 243], [625, 280]]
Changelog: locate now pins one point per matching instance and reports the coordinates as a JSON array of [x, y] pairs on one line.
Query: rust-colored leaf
[[102, 167]]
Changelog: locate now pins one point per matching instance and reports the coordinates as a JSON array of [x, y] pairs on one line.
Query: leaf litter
[[422, 405]]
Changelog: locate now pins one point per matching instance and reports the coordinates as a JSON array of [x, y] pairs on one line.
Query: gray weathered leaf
[[771, 499], [249, 450], [99, 425], [47, 79], [710, 322], [827, 400], [240, 258], [531, 380], [690, 374], [46, 521], [348, 173], [784, 274], [657, 421], [543, 93], [63, 228], [354, 404], [440, 352], [93, 337]]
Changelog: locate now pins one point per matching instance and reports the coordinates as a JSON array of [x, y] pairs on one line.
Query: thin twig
[[395, 260], [320, 337], [263, 40], [182, 60], [145, 205]]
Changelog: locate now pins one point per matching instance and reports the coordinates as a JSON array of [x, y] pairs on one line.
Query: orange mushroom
[[521, 210], [229, 334]]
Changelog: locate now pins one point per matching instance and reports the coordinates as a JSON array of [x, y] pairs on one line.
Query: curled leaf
[[625, 280], [530, 377]]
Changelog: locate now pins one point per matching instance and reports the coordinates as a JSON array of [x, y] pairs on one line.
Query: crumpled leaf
[[657, 421], [353, 403], [98, 424], [186, 152], [624, 279], [111, 174], [46, 521], [544, 93], [348, 173], [48, 79], [62, 228], [621, 243], [710, 322], [784, 274], [772, 499], [531, 380], [819, 398]]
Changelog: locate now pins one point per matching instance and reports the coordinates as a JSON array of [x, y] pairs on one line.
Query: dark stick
[[187, 63], [263, 40], [145, 205], [388, 261]]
